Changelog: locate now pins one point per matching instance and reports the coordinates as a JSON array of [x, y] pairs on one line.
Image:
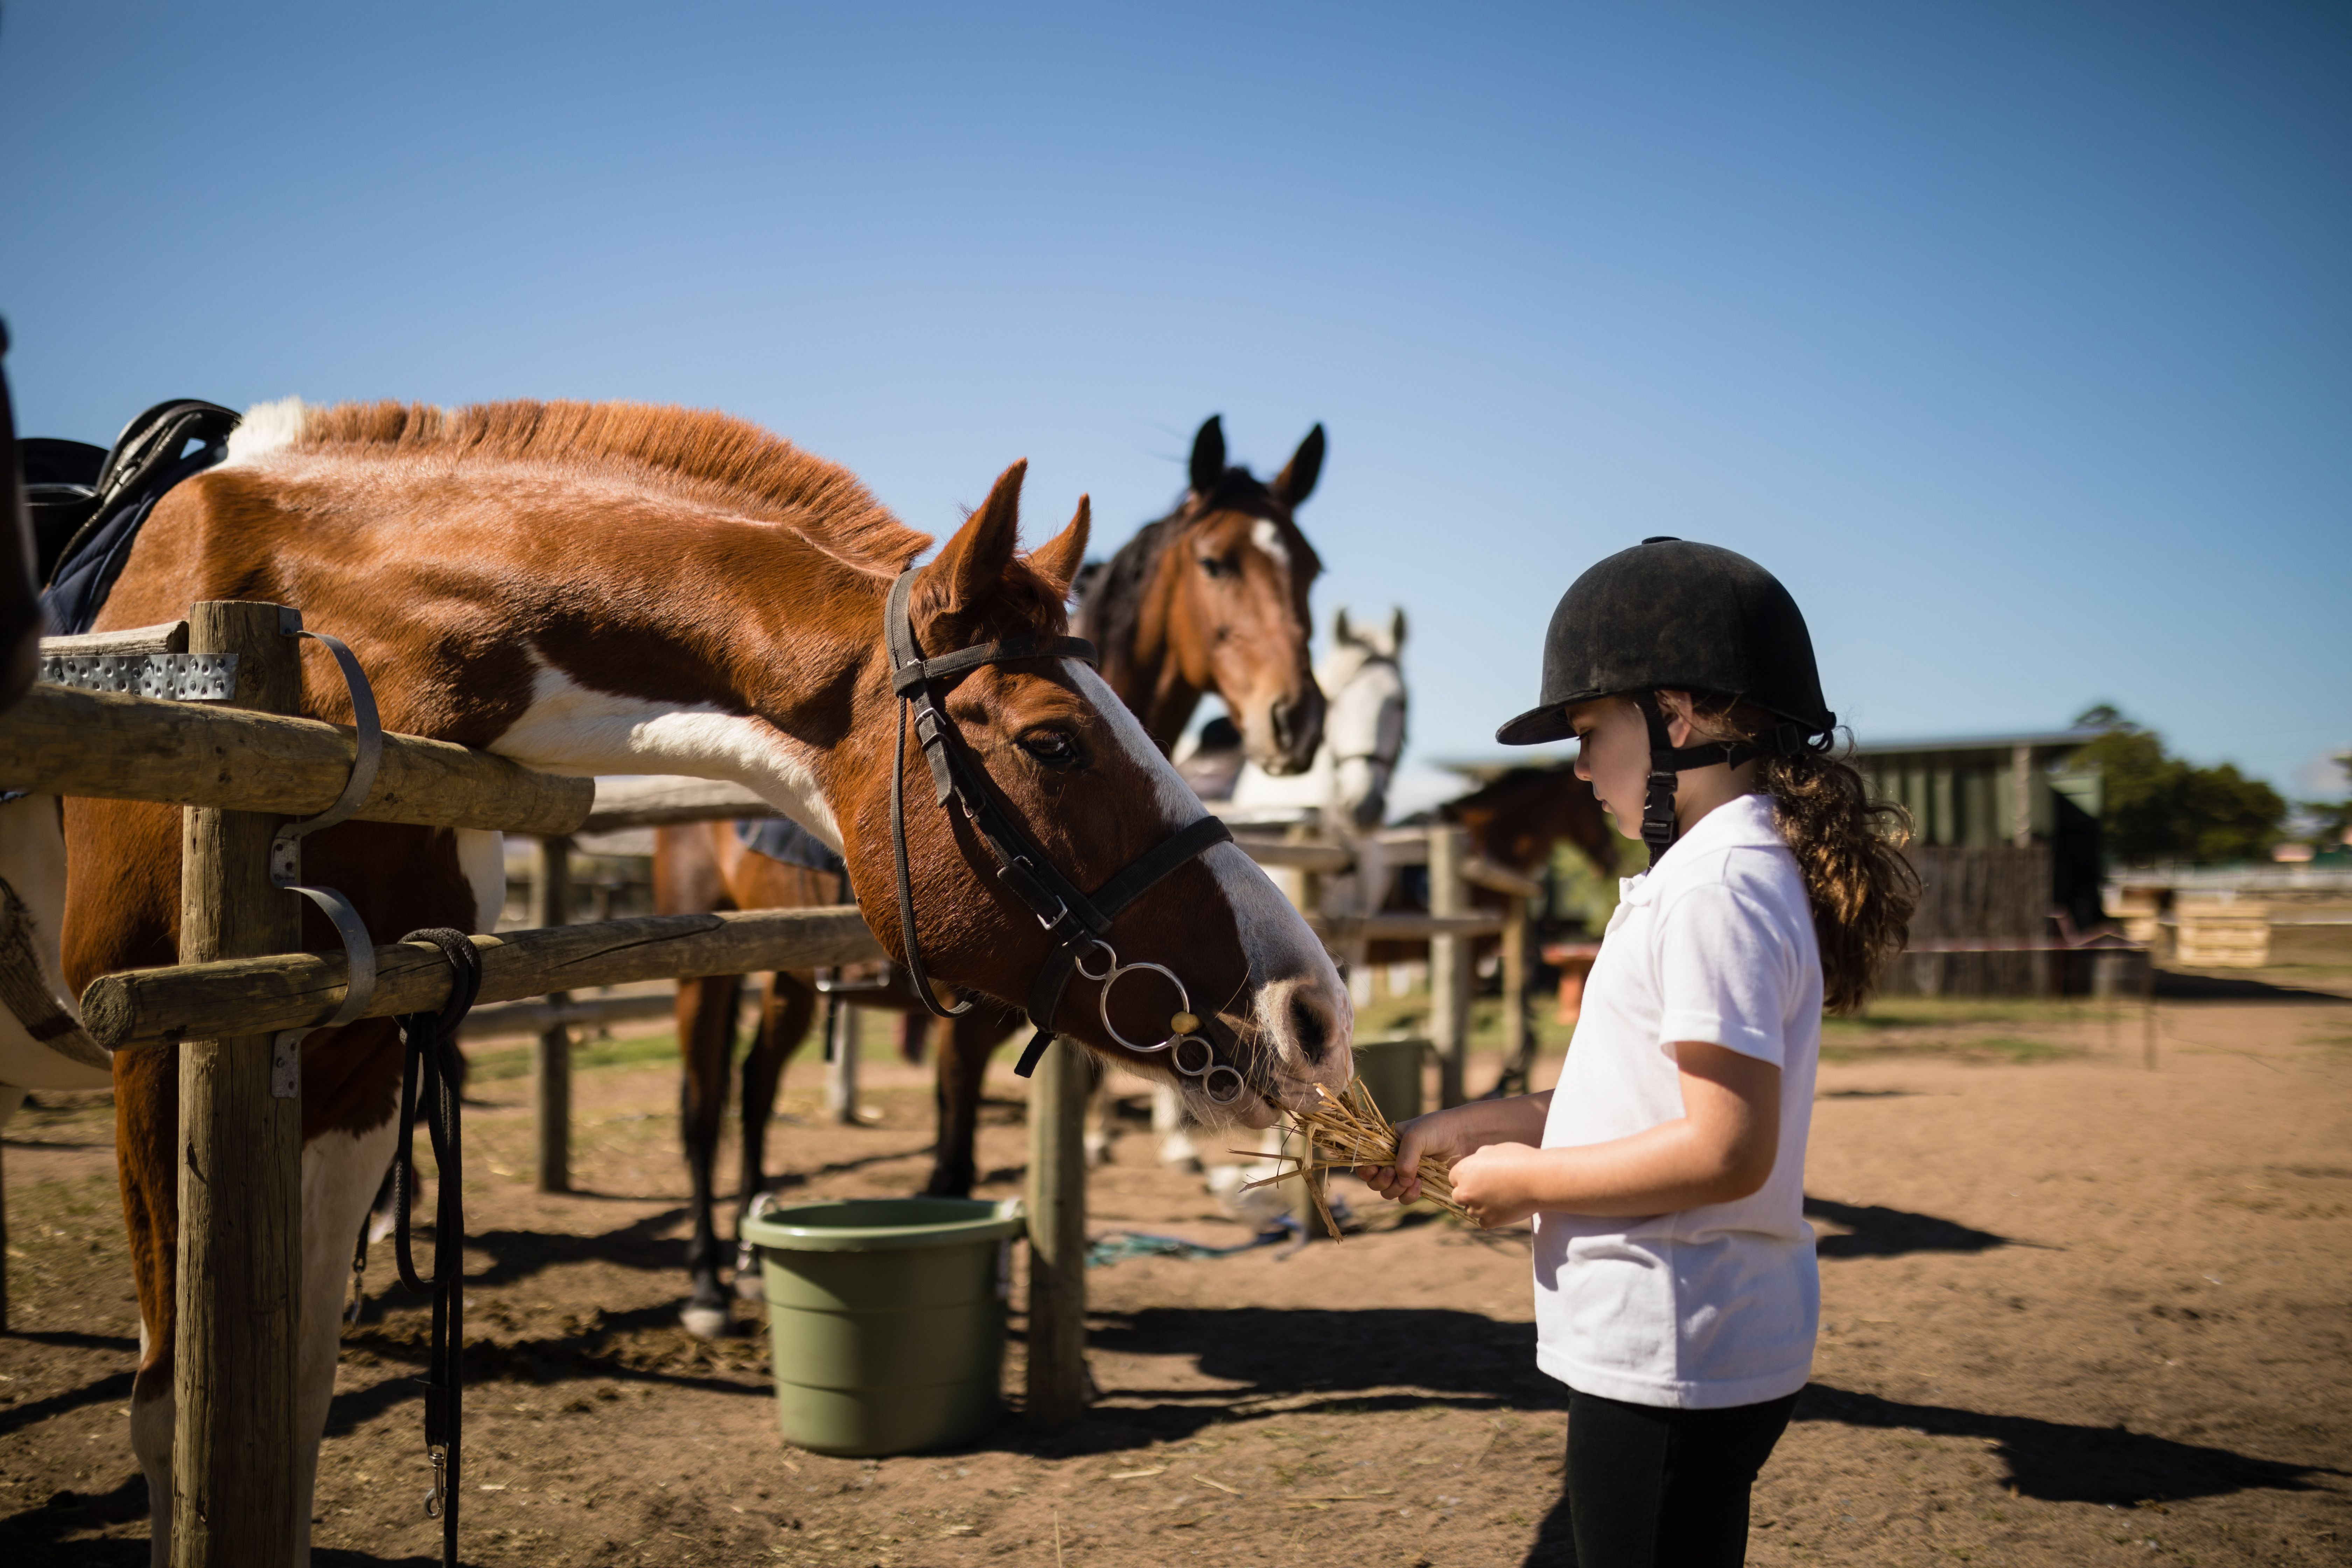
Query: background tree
[[2157, 808], [2331, 820]]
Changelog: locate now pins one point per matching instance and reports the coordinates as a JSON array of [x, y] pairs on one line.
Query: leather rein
[[1078, 922]]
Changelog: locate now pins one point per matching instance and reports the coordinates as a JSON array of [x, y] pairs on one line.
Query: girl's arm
[[1455, 1133], [1721, 1148]]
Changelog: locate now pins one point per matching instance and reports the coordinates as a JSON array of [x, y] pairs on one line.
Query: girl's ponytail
[[1849, 848]]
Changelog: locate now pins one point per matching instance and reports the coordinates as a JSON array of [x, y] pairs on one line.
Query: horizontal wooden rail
[[253, 997], [63, 742], [1496, 879], [536, 1017], [1401, 926], [1307, 855], [662, 800], [169, 637]]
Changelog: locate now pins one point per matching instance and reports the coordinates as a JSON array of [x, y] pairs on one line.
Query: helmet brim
[[1536, 725]]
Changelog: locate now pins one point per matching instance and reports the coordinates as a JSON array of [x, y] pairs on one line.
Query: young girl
[[1676, 1288]]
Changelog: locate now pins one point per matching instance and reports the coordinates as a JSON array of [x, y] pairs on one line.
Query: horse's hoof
[[749, 1286], [705, 1322]]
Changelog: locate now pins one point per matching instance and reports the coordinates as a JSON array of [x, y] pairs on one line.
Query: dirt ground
[[2075, 1311]]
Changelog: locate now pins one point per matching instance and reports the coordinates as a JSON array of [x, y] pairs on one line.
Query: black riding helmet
[[1669, 615]]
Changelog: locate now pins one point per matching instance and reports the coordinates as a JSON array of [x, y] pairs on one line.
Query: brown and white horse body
[[594, 588]]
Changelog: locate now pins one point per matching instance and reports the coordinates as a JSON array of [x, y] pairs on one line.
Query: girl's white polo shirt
[[1709, 1307]]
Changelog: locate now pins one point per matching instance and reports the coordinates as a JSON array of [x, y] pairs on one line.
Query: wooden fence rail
[[102, 743], [302, 990]]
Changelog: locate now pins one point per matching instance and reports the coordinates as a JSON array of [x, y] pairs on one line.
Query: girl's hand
[[1497, 1183], [1449, 1133]]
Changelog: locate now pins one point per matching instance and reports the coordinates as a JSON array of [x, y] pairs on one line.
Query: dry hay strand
[[1347, 1130]]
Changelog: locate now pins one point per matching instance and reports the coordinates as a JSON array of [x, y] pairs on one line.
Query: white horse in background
[[1347, 787]]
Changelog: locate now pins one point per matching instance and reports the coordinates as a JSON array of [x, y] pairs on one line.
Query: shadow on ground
[[1879, 1232]]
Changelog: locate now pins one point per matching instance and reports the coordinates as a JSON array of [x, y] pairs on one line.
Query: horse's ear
[[1341, 632], [1396, 631], [968, 570], [1209, 455], [1058, 559], [1297, 480]]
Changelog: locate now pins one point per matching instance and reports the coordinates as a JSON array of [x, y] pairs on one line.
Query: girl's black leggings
[[1652, 1488]]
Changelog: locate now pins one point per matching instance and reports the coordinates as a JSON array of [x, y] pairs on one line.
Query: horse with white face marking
[[611, 588]]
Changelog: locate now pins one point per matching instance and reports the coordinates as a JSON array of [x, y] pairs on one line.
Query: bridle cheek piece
[[1079, 924]]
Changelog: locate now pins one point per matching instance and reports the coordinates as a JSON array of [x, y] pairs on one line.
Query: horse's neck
[[1134, 628], [581, 634]]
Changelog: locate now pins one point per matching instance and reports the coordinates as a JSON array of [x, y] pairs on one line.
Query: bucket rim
[[769, 1226]]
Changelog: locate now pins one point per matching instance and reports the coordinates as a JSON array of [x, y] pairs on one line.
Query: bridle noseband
[[1079, 924]]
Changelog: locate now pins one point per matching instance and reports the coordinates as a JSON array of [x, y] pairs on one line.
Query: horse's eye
[[1051, 747], [1216, 566]]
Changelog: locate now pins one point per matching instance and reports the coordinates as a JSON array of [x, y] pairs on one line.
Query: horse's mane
[[1113, 594], [686, 448]]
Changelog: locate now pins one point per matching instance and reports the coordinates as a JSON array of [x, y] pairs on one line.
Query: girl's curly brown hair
[[1848, 846]]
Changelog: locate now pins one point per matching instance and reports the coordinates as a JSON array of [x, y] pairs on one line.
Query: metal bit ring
[[1111, 978]]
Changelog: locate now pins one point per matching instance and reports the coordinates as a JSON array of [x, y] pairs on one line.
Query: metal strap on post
[[285, 860]]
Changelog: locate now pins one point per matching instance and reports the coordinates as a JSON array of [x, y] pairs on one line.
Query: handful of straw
[[1346, 1131]]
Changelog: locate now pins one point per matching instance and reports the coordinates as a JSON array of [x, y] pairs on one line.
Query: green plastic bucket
[[886, 1317], [1392, 1070]]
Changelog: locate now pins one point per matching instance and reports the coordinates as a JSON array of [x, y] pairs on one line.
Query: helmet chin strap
[[1658, 826], [1668, 761]]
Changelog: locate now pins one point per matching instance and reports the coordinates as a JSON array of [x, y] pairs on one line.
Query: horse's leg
[[705, 1040], [964, 1056], [339, 1171], [785, 1015], [1102, 1113], [914, 1037]]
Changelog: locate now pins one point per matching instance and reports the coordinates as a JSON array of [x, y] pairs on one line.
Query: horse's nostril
[[1279, 716], [1310, 1028]]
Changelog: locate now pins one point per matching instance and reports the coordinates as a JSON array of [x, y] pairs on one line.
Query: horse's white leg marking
[[340, 1173], [571, 729], [33, 861], [482, 857], [150, 1441]]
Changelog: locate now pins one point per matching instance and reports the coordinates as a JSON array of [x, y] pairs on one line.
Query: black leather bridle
[[1079, 924]]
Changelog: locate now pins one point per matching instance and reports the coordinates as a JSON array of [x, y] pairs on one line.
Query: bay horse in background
[[614, 588], [1209, 599], [1347, 785]]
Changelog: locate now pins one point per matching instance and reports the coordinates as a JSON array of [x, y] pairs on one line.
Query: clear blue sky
[[2017, 339]]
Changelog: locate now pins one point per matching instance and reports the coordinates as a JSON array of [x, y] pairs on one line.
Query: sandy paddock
[[2076, 1312]]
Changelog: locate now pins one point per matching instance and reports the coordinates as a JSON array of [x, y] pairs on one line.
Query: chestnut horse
[[614, 588], [1212, 598]]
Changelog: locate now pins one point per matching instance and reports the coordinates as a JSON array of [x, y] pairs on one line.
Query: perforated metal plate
[[181, 677]]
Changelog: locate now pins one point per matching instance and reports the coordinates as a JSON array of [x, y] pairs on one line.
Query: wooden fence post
[[1518, 1047], [1057, 1238], [841, 1067], [240, 1230], [3, 1248], [1449, 963], [551, 1057]]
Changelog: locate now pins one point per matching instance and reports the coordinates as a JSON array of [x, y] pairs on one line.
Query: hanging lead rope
[[433, 1072]]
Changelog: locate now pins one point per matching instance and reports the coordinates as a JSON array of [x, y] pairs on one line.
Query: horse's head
[[1075, 768], [1363, 728], [1239, 616], [1514, 820]]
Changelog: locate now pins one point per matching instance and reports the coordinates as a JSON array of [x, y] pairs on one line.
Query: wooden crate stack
[[2219, 931]]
